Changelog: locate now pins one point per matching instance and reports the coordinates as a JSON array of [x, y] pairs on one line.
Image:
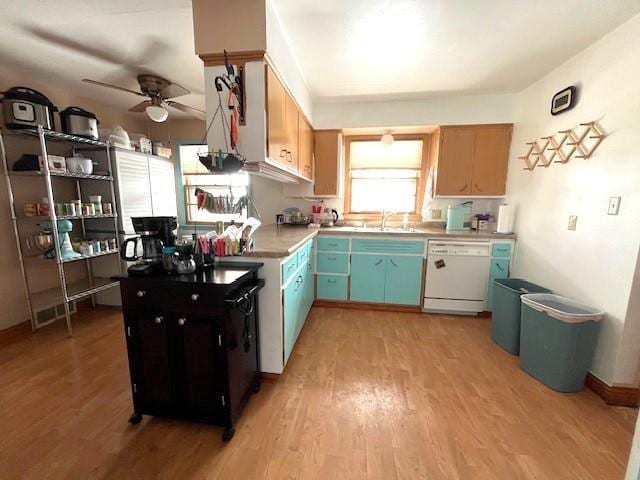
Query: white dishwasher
[[456, 276]]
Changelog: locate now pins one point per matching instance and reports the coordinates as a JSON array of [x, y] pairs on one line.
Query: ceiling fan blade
[[186, 109], [141, 107], [102, 84], [173, 90]]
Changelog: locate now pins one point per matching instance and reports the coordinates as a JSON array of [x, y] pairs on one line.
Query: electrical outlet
[[614, 205], [436, 214], [573, 220]]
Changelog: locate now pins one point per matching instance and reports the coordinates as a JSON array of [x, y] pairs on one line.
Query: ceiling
[[409, 48], [63, 41], [369, 49]]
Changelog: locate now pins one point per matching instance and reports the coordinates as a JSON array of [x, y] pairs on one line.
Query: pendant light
[[387, 138], [156, 110]]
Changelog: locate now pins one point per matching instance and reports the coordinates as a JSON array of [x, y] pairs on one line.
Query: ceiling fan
[[159, 92]]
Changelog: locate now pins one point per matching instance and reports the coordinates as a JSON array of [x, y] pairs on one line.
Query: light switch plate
[[614, 205], [436, 214], [573, 220]]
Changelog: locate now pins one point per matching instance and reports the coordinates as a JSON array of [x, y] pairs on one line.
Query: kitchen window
[[195, 175], [384, 177]]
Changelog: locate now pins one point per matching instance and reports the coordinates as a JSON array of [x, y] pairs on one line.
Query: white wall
[[415, 112], [284, 59], [595, 263]]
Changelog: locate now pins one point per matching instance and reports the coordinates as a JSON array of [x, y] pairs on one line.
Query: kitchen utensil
[[459, 217], [66, 249], [42, 241], [24, 107], [79, 165], [80, 122], [154, 234]]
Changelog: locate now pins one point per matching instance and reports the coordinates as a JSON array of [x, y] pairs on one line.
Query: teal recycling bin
[[505, 320], [557, 339]]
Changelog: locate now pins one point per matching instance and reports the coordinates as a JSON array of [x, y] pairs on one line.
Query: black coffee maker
[[154, 234]]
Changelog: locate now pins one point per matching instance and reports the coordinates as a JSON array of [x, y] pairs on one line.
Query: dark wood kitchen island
[[192, 342]]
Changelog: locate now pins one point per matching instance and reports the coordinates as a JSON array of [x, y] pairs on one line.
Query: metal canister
[[70, 209], [107, 208], [113, 244]]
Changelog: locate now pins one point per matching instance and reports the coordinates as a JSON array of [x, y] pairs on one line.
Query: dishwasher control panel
[[467, 249]]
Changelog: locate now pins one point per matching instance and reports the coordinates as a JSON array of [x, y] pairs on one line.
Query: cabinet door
[[292, 131], [276, 134], [204, 370], [163, 187], [133, 187], [151, 356], [490, 159], [403, 280], [326, 148], [455, 161], [367, 278], [499, 269], [305, 150], [292, 307]]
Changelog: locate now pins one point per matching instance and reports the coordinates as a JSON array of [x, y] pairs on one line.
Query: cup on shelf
[[86, 249], [97, 203], [107, 208], [70, 209], [43, 207]]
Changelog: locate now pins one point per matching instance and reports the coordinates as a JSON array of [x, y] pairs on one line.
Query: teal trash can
[[505, 320], [557, 339]]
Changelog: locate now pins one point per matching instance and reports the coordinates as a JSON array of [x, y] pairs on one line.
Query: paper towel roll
[[505, 219]]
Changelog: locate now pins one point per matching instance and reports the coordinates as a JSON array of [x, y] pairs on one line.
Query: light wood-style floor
[[375, 395]]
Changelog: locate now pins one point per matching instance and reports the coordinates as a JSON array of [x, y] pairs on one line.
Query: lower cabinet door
[[204, 370], [151, 361], [499, 269], [367, 278], [403, 281], [292, 303]]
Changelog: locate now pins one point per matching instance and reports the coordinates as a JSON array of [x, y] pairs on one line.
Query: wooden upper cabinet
[[472, 160], [276, 127], [291, 127], [455, 161], [327, 162], [491, 156], [305, 148]]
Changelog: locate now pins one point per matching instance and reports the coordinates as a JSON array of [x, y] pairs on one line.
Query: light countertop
[[272, 241]]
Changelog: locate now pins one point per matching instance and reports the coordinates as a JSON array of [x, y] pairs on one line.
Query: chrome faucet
[[385, 216]]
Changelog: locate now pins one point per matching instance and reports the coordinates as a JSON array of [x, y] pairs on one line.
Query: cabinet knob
[[141, 293], [195, 296], [182, 321], [158, 320]]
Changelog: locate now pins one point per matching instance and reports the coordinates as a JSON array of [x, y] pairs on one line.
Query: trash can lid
[[518, 285], [562, 308]]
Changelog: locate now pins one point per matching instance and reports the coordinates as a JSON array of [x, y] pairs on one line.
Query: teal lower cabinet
[[403, 280], [332, 287], [393, 279], [367, 278], [297, 298], [499, 269]]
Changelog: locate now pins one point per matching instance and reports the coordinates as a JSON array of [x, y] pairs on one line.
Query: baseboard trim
[[612, 395], [368, 306], [269, 376], [11, 334]]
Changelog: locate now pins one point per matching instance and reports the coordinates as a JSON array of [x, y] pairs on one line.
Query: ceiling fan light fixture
[[387, 138], [157, 113]]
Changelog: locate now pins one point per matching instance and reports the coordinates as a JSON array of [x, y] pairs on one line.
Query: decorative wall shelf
[[548, 150]]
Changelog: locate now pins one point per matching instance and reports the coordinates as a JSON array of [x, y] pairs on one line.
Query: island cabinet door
[[403, 281], [202, 382], [367, 278], [149, 360]]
